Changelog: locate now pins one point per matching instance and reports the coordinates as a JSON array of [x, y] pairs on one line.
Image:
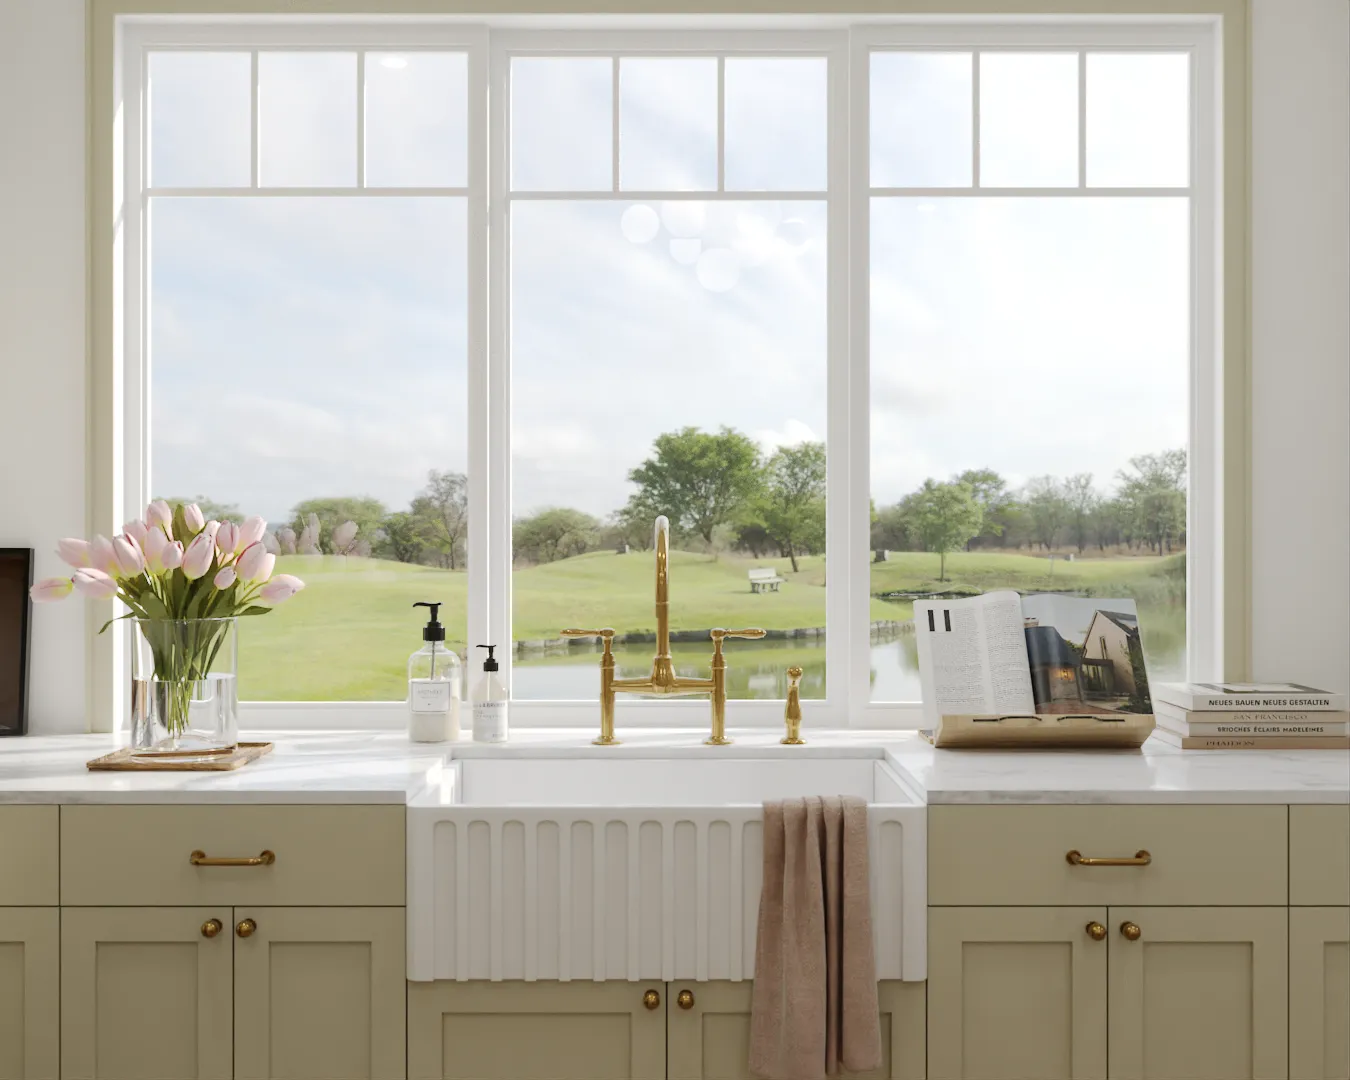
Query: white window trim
[[847, 209]]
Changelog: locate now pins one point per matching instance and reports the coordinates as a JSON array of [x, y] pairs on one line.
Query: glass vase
[[184, 687]]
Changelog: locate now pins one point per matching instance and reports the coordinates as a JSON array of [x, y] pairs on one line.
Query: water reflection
[[758, 669]]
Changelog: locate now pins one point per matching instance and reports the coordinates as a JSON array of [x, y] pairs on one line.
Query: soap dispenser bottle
[[489, 703], [433, 685]]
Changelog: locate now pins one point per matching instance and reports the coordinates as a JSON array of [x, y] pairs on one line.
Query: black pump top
[[490, 664], [433, 631]]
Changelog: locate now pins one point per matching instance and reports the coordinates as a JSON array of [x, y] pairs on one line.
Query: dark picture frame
[[16, 622]]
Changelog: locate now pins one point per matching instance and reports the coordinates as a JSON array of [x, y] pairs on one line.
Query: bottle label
[[489, 721], [429, 695]]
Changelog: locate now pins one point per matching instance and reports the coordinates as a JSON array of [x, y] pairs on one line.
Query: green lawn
[[347, 636]]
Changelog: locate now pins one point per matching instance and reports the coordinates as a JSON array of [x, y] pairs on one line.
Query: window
[[867, 312]]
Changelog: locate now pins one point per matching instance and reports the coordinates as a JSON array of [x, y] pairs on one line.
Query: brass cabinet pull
[[1130, 931], [1075, 858], [651, 999], [212, 927], [1096, 931], [685, 999], [246, 928], [200, 858]]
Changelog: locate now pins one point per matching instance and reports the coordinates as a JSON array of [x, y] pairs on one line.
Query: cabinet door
[[145, 994], [710, 1038], [30, 957], [1199, 994], [1319, 993], [1016, 993], [319, 993], [536, 1031]]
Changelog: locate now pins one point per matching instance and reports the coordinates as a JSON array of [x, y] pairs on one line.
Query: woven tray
[[122, 761]]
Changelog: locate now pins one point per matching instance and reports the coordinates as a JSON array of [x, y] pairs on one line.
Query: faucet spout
[[663, 667]]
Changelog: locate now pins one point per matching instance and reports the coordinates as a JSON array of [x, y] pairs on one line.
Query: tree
[[367, 513], [991, 492], [697, 479], [944, 517], [445, 509], [1047, 509], [1154, 495], [792, 505], [211, 510], [553, 533], [1080, 500], [400, 539], [891, 528]]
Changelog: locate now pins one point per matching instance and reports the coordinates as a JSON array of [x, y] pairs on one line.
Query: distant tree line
[[720, 491]]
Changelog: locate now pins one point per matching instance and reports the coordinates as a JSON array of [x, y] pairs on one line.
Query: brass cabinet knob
[[651, 999], [1130, 931], [212, 927], [1096, 931], [246, 928], [685, 999]]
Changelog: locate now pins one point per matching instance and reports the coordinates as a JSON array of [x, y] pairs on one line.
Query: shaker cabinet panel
[[1319, 993], [1199, 993], [319, 993], [30, 847], [145, 994], [30, 1029], [1319, 855], [1016, 993], [536, 1031], [709, 1031]]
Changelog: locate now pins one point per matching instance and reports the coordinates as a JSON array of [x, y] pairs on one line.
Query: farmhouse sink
[[591, 866]]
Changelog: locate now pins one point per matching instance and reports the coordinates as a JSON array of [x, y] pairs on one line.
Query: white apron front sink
[[635, 867]]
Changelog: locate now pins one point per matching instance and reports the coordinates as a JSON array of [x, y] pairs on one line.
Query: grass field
[[347, 636]]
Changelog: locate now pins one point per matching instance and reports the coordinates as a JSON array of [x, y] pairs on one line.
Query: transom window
[[869, 313]]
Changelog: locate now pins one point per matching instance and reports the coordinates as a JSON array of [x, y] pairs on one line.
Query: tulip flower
[[227, 538], [95, 584], [280, 588], [159, 514], [196, 520], [153, 550], [198, 555], [101, 554], [171, 558], [73, 552], [255, 564], [51, 588], [130, 560], [251, 531], [286, 539], [224, 577], [343, 536], [137, 531]]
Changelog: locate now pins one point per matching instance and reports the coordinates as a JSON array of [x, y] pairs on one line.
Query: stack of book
[[1250, 716]]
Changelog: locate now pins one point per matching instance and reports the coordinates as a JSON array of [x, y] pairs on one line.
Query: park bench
[[764, 577]]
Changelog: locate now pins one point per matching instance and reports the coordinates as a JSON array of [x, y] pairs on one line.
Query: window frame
[[489, 45]]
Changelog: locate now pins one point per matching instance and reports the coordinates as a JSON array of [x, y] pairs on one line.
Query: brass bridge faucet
[[663, 679]]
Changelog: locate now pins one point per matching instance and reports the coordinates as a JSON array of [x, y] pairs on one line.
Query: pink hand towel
[[814, 1004]]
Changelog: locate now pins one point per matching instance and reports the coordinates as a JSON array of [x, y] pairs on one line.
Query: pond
[[758, 669]]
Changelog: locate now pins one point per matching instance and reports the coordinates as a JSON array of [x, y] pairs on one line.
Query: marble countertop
[[384, 767]]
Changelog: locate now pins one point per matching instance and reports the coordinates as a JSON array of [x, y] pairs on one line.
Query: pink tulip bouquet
[[184, 580]]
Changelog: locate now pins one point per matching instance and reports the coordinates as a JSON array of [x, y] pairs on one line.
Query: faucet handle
[[751, 632], [792, 712], [606, 633]]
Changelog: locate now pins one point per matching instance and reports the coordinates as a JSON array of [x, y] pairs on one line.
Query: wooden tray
[[1083, 732], [122, 761]]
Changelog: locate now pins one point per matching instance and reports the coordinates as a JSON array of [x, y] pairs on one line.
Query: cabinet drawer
[[1319, 855], [29, 856], [1009, 855], [324, 855]]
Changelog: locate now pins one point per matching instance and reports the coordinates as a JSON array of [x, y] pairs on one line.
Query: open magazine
[[1002, 654]]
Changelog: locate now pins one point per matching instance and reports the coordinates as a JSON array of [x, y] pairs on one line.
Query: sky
[[312, 346]]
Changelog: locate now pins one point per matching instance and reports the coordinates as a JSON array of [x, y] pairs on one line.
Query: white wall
[[1300, 343], [42, 326]]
